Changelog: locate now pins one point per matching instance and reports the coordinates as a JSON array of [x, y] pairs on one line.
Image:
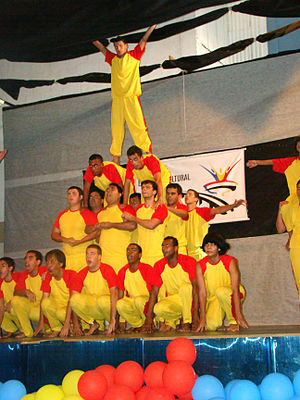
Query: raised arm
[[100, 46], [144, 39], [223, 209], [255, 163]]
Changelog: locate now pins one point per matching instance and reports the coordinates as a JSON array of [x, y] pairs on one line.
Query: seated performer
[[289, 166], [115, 234], [134, 284], [197, 224], [288, 219], [146, 167], [69, 228], [56, 288], [8, 281], [28, 294], [177, 216], [150, 222], [218, 275], [95, 293], [177, 272], [102, 173], [125, 89]]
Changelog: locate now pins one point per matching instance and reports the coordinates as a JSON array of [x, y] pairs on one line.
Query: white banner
[[218, 177]]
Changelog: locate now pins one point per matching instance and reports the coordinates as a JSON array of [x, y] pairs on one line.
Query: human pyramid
[[130, 262]]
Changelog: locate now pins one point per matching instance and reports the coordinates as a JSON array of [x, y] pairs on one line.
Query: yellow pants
[[76, 262], [132, 310], [219, 306], [295, 260], [128, 109], [91, 308], [10, 322], [56, 315], [174, 307], [25, 312]]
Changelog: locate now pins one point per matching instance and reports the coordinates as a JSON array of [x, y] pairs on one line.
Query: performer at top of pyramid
[[125, 91]]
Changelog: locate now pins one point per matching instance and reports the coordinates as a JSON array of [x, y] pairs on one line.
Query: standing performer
[[221, 282], [125, 92], [288, 219]]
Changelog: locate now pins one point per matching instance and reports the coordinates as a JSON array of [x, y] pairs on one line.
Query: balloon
[[244, 390], [276, 386], [229, 386], [12, 390], [29, 396], [187, 396], [119, 392], [109, 372], [70, 382], [178, 377], [181, 349], [92, 385], [296, 397], [153, 374], [131, 374], [207, 387], [47, 392], [73, 397], [159, 394], [142, 393], [296, 382]]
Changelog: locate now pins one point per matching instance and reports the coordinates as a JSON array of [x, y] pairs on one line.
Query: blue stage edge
[[38, 364]]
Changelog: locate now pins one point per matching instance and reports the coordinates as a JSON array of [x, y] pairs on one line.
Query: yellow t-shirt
[[291, 217], [9, 287], [95, 283], [32, 283], [175, 226], [135, 283], [59, 289]]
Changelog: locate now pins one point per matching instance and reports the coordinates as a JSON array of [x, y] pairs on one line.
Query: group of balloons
[[160, 381]]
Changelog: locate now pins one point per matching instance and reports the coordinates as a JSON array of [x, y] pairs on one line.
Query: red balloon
[[92, 385], [159, 394], [142, 393], [119, 392], [109, 372], [131, 374], [153, 374], [181, 349], [187, 396], [179, 377]]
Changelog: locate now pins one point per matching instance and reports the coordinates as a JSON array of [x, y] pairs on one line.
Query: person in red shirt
[[177, 272], [125, 91]]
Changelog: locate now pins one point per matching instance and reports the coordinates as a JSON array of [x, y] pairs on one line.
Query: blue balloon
[[217, 398], [244, 390], [296, 397], [12, 390], [296, 382], [207, 387], [276, 386], [228, 388]]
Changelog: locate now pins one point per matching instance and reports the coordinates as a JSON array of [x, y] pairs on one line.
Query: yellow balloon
[[73, 397], [49, 392], [70, 382], [29, 396]]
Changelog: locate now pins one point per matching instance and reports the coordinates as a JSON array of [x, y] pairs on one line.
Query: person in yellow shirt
[[96, 201], [134, 284], [125, 92], [177, 272], [69, 229], [150, 220], [197, 224], [8, 281], [135, 200], [146, 167], [218, 279], [288, 219], [177, 216], [55, 303], [28, 294], [115, 234], [94, 293]]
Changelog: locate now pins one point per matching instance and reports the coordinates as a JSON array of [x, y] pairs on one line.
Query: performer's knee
[[222, 292], [18, 302]]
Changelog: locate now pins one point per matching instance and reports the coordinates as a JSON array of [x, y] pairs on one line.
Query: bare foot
[[131, 330], [94, 327], [52, 334], [165, 328], [185, 328], [20, 336], [7, 335], [116, 159]]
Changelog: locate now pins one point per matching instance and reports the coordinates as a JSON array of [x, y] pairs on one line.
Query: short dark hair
[[59, 255], [119, 39], [134, 150], [97, 190], [135, 194], [79, 190], [38, 254], [218, 240], [95, 157], [95, 246], [117, 186], [9, 261], [174, 186], [154, 184], [174, 240], [298, 183], [137, 246]]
